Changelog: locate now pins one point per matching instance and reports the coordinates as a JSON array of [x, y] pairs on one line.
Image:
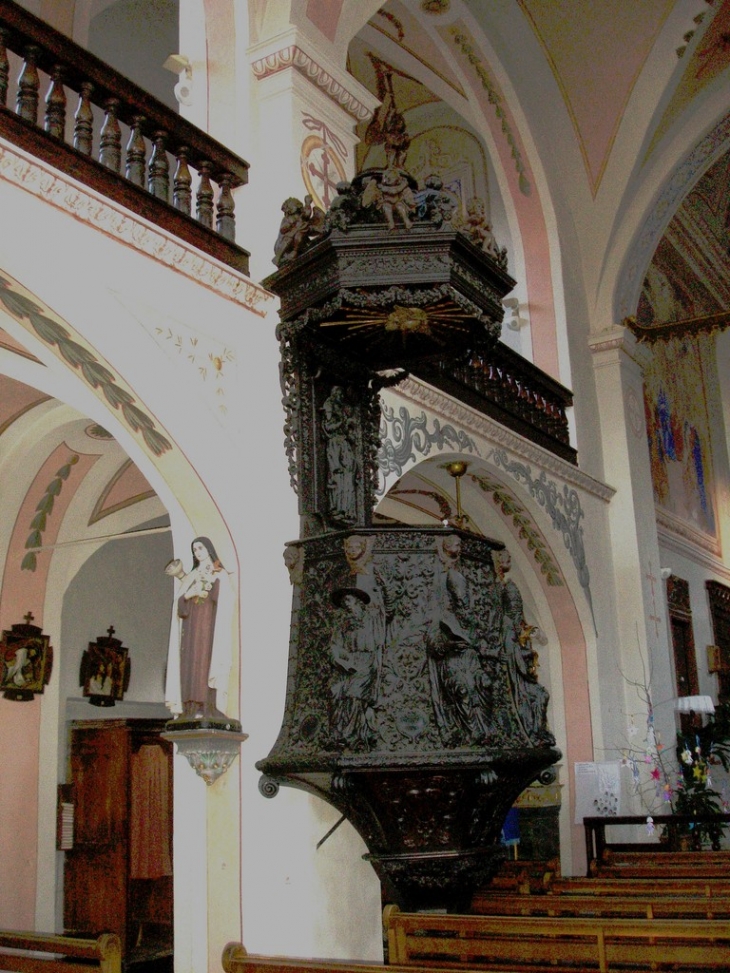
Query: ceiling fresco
[[688, 281]]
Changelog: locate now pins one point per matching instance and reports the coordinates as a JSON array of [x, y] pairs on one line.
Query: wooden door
[[95, 875]]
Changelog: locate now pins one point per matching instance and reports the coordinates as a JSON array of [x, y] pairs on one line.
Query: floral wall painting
[[678, 428]]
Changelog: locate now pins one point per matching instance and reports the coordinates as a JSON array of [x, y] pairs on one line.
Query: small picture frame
[[105, 670], [26, 660]]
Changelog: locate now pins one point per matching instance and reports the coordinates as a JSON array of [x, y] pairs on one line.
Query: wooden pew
[[662, 857], [66, 954], [528, 943], [646, 906], [525, 875], [611, 885], [237, 960], [647, 864], [651, 869]]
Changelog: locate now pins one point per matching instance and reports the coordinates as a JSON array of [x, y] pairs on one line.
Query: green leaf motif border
[[81, 359]]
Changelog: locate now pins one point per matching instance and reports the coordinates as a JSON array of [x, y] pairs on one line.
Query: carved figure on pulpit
[[460, 685], [392, 195], [302, 225], [530, 697], [388, 128], [355, 652], [478, 228], [340, 432], [199, 660]]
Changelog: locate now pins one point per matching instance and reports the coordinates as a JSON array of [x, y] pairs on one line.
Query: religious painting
[[26, 660], [677, 418], [105, 671]]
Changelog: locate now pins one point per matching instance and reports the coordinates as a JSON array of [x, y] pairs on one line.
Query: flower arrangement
[[682, 777]]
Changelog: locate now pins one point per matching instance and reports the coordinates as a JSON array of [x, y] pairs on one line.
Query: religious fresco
[[689, 276], [677, 418]]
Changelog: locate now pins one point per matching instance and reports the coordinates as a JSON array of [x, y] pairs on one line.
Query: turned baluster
[[110, 138], [26, 100], [84, 120], [204, 196], [182, 193], [158, 182], [225, 222], [136, 162], [4, 66], [55, 120]]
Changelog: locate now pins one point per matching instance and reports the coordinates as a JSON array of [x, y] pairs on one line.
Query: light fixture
[[180, 64], [694, 704]]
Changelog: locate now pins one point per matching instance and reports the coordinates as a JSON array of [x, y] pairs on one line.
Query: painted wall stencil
[[26, 660], [677, 418]]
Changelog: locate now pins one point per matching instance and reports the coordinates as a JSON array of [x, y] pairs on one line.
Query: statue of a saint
[[460, 684], [531, 699], [199, 660], [355, 655], [338, 426]]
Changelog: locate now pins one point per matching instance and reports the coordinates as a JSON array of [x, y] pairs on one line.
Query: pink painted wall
[[24, 591]]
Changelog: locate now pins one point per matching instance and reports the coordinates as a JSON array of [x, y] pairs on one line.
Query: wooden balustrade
[[121, 141], [505, 386]]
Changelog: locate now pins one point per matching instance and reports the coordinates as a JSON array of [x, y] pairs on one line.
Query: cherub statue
[[393, 196], [302, 225]]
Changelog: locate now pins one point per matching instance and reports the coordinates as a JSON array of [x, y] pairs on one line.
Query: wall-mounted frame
[[105, 670], [26, 660]]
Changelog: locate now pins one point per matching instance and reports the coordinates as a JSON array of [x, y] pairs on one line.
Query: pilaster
[[312, 107], [643, 653]]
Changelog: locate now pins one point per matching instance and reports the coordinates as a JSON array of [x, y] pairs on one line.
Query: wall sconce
[[180, 64], [514, 321]]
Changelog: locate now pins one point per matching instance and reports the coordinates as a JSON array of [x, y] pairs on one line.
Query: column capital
[[607, 344], [289, 51]]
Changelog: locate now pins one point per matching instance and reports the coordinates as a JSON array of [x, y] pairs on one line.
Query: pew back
[[65, 954], [568, 944]]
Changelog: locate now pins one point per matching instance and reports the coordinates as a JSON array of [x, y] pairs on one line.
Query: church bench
[[236, 960], [670, 869], [525, 875], [66, 954], [660, 885], [661, 857], [576, 944], [646, 906]]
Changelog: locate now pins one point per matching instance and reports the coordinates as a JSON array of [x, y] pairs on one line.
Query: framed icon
[[26, 660], [105, 670]]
